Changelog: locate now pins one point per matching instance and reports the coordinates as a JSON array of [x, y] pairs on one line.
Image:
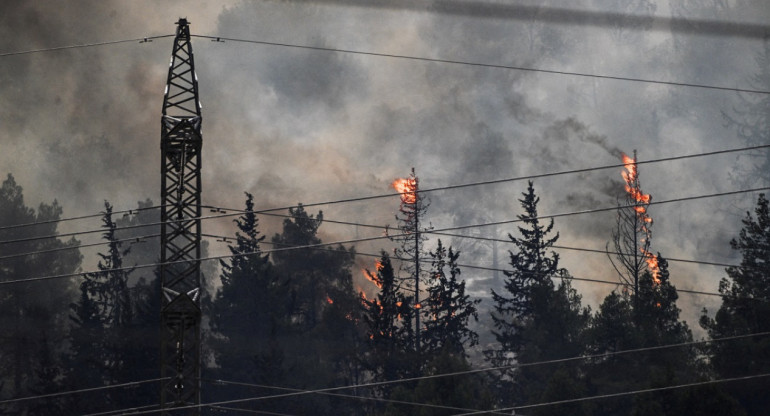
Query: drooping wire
[[488, 369], [485, 65], [374, 238], [85, 390], [475, 267], [619, 394], [85, 45], [529, 177]]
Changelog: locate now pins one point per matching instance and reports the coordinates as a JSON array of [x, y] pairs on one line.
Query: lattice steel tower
[[180, 246]]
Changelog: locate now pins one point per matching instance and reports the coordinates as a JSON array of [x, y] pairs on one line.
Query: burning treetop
[[640, 201]]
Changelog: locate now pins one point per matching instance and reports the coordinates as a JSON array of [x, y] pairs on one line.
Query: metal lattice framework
[[180, 254]]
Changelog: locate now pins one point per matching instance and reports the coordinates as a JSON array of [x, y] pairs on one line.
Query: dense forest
[[287, 331], [283, 322]]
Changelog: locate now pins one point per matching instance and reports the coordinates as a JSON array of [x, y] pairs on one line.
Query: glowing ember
[[329, 300], [418, 306], [407, 188]]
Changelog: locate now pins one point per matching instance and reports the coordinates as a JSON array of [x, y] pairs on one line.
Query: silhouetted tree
[[628, 321], [534, 320], [388, 355], [632, 235], [447, 308], [745, 308], [36, 310], [316, 286], [411, 240]]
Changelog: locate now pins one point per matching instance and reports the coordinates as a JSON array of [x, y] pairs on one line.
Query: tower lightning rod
[[180, 232]]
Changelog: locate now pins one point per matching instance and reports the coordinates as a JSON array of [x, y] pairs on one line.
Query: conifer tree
[[745, 309], [29, 309], [246, 308], [632, 235], [85, 364], [411, 240], [628, 321], [534, 319], [109, 294], [387, 355], [317, 338], [447, 308]]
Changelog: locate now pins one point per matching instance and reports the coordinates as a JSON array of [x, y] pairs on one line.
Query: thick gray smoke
[[294, 125]]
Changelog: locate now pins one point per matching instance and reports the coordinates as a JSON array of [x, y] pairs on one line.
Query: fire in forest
[[641, 201]]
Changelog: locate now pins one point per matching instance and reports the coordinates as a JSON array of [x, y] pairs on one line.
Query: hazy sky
[[295, 125]]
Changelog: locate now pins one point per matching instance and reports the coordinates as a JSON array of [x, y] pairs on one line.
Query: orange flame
[[652, 264], [407, 188], [329, 300], [373, 278], [630, 176]]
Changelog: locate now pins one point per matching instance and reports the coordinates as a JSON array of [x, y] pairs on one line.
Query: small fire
[[630, 176], [373, 277], [652, 265], [329, 300], [407, 187]]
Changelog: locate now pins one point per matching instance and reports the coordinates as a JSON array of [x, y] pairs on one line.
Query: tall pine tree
[[447, 309], [745, 310], [534, 319]]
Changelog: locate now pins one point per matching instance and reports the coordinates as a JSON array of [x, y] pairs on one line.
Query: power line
[[485, 65], [471, 237], [527, 177], [122, 411], [85, 45], [86, 390], [357, 240], [365, 198], [138, 239], [103, 229], [492, 269], [625, 393], [255, 412], [481, 370], [101, 214], [342, 395]]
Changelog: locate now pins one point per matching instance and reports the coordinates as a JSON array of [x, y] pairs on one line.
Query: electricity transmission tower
[[180, 251]]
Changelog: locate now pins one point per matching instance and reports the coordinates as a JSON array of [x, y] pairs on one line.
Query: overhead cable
[[342, 395], [482, 370], [85, 45], [461, 236], [620, 394], [85, 390], [137, 239], [374, 238], [485, 65], [388, 195]]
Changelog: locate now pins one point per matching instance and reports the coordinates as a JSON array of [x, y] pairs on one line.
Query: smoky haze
[[293, 125]]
